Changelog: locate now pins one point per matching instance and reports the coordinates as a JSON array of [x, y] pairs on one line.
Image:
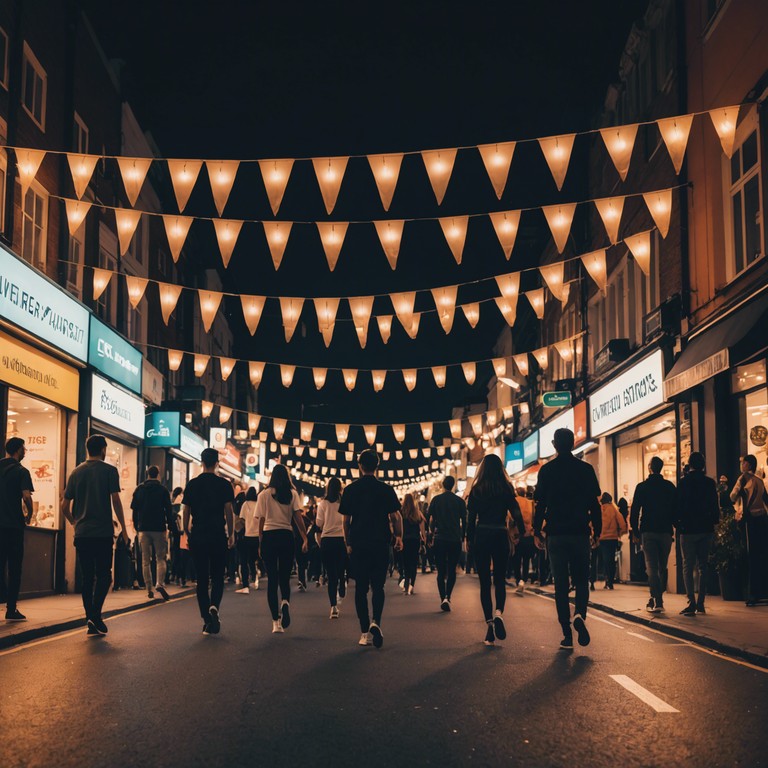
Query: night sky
[[262, 80]]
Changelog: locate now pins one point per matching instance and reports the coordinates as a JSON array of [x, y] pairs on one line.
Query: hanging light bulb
[[342, 431], [378, 380], [330, 172], [252, 306], [28, 162], [500, 366], [133, 171], [403, 305], [521, 361], [209, 306], [557, 152], [640, 246], [255, 372], [476, 422], [221, 174], [286, 374], [553, 275], [82, 167], [595, 264], [278, 428], [560, 218], [472, 313], [175, 357], [497, 158], [332, 236], [350, 377], [439, 165], [542, 357], [386, 170], [445, 303], [227, 365], [319, 375], [508, 308], [361, 308], [610, 209], [291, 311], [136, 287], [169, 298], [506, 225], [620, 141], [426, 430], [77, 210], [565, 350], [390, 234], [370, 433], [385, 326], [206, 408], [101, 278], [536, 299], [660, 207], [275, 175], [409, 377], [326, 310], [455, 232], [725, 120], [227, 232], [253, 422], [439, 373], [455, 426], [127, 221], [675, 132], [201, 363], [398, 430], [305, 429], [470, 372], [183, 174], [225, 414]]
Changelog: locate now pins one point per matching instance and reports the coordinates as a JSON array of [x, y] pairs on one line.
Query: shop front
[[173, 447], [529, 473]]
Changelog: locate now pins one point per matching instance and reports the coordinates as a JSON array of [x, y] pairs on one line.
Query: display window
[[125, 458], [178, 473], [753, 412], [39, 424]]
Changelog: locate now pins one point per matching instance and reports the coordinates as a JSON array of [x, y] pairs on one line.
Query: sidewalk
[[728, 626], [60, 613]]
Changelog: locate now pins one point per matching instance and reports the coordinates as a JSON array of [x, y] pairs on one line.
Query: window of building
[[34, 86], [3, 58], [34, 229], [75, 261], [80, 135]]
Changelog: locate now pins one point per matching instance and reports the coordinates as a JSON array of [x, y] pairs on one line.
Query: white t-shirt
[[249, 513], [277, 517], [329, 519]]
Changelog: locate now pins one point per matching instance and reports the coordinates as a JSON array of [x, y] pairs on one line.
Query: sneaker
[[206, 629], [700, 609], [410, 590], [490, 638], [650, 605], [302, 587], [15, 615], [581, 629], [214, 623], [334, 612], [445, 605], [658, 607], [150, 594], [277, 627], [520, 589], [243, 591], [92, 631], [498, 626], [101, 627], [566, 644], [285, 612], [365, 639], [689, 610], [610, 586], [256, 585], [376, 635], [162, 592], [340, 599], [317, 583]]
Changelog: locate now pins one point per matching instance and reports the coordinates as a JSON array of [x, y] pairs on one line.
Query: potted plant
[[727, 554]]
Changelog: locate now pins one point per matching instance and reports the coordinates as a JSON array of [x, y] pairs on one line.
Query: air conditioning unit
[[664, 319], [614, 352]]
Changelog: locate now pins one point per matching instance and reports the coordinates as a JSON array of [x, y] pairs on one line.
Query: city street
[[157, 692]]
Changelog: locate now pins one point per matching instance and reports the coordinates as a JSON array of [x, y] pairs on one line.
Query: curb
[[706, 642], [37, 633]]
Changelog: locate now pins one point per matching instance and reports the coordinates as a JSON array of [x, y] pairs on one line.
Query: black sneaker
[[490, 637], [658, 607], [566, 644], [214, 624], [581, 629], [206, 629], [285, 613], [445, 605], [15, 615], [150, 594], [498, 626], [700, 609], [650, 605], [92, 631], [162, 592], [376, 635], [689, 610], [101, 627]]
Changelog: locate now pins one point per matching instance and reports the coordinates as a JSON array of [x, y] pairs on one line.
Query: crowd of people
[[561, 530]]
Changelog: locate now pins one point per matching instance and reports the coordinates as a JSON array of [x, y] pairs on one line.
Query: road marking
[[605, 621], [644, 695], [642, 637]]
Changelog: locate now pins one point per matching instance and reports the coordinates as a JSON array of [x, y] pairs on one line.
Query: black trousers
[[492, 546], [96, 565], [522, 560], [410, 560], [446, 558], [569, 560], [248, 570], [369, 568], [334, 554], [12, 556], [209, 554], [277, 550]]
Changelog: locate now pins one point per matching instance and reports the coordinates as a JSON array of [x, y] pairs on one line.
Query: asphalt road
[[156, 692]]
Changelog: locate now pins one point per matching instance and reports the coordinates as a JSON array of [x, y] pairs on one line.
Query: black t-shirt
[[90, 488], [151, 505], [14, 479], [206, 495], [369, 503], [490, 511]]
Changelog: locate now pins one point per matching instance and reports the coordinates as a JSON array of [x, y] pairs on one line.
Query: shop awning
[[715, 350]]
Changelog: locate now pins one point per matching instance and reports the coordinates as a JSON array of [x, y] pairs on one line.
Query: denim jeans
[[695, 547], [157, 541], [656, 547], [569, 561]]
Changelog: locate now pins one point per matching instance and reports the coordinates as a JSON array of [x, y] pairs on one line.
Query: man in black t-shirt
[[15, 497], [371, 514], [208, 504]]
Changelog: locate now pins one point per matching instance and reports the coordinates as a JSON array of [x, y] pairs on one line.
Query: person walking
[[567, 505], [492, 511], [448, 525], [698, 512], [16, 512], [278, 510], [413, 539], [91, 493], [614, 526], [371, 512], [178, 555], [525, 551], [750, 492], [250, 550], [333, 547], [152, 519], [209, 527], [653, 511]]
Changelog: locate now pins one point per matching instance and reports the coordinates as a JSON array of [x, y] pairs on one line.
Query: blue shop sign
[[513, 452], [531, 449], [111, 354], [162, 429], [190, 444]]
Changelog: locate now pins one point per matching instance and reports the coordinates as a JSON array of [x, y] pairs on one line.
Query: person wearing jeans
[[653, 512], [614, 527], [447, 522], [333, 549]]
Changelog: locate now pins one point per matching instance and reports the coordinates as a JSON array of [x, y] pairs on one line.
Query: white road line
[[605, 621], [642, 637], [644, 695]]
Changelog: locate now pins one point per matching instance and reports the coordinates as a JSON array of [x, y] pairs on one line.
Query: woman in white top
[[278, 508], [248, 569], [333, 547]]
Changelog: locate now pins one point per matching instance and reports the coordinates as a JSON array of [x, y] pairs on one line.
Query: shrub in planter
[[727, 556]]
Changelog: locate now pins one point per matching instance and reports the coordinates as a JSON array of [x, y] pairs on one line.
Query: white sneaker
[[256, 584], [365, 639], [401, 584], [410, 590], [334, 612], [243, 591], [339, 600], [237, 580], [277, 627], [520, 588]]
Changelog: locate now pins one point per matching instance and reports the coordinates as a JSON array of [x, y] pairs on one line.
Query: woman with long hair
[[413, 538], [492, 511], [278, 509], [333, 546], [250, 549]]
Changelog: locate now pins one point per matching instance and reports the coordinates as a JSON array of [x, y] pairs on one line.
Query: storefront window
[[125, 459], [755, 419], [39, 424], [178, 473]]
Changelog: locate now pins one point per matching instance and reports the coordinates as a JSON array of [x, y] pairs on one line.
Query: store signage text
[[556, 399], [117, 408], [114, 356], [161, 429], [190, 444], [531, 449]]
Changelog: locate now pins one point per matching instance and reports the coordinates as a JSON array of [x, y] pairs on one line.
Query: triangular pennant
[[176, 230], [291, 311], [398, 430], [350, 377], [378, 378], [127, 221], [175, 356], [226, 366], [620, 141], [470, 372], [508, 307], [326, 309], [660, 207], [675, 132], [253, 306], [403, 304], [221, 174], [305, 430], [278, 428], [277, 233], [183, 174], [255, 372], [28, 163], [133, 170], [275, 174], [332, 236], [361, 308], [560, 218], [77, 210], [640, 246], [410, 376], [565, 350], [206, 407], [542, 357], [81, 167], [426, 430], [445, 303], [499, 366], [509, 285], [136, 287], [455, 231], [536, 300], [169, 298], [386, 170], [330, 172], [553, 276], [200, 365], [506, 224], [521, 361], [286, 374], [101, 278], [209, 306], [455, 426], [497, 158], [595, 265], [610, 209], [370, 433], [385, 326], [414, 329], [390, 234], [557, 152], [319, 375], [472, 313], [476, 422], [564, 294], [725, 120], [342, 432], [439, 373], [253, 423], [227, 232], [439, 165]]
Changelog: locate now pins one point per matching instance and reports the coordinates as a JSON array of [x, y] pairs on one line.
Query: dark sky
[[259, 80]]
